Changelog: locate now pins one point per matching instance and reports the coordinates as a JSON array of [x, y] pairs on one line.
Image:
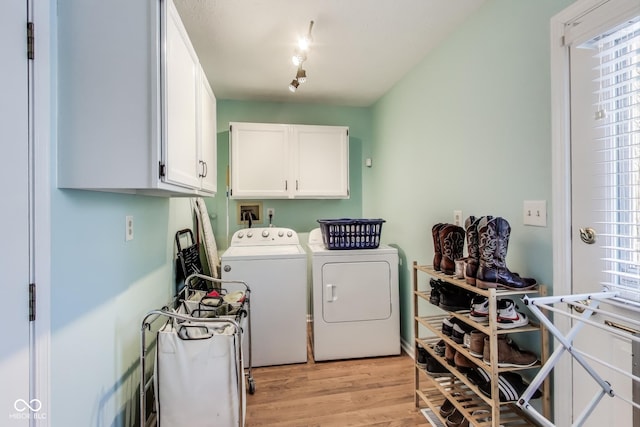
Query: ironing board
[[206, 235]]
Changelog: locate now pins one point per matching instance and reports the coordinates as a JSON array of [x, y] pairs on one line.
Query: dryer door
[[356, 291]]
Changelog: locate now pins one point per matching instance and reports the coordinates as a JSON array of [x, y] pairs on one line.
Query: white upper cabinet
[[136, 113], [288, 161]]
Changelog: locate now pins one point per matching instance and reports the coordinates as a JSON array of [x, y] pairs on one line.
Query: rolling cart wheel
[[252, 386]]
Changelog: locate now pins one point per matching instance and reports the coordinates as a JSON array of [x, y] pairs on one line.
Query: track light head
[[301, 75], [294, 85]]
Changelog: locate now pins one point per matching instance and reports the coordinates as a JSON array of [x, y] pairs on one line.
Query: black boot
[[473, 254], [493, 239]]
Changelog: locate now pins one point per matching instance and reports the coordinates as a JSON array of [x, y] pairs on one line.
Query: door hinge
[[30, 40], [161, 170], [32, 302]]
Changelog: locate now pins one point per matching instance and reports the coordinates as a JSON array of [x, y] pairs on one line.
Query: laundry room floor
[[359, 392]]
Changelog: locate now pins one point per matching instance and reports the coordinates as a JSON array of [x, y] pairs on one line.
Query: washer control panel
[[264, 236]]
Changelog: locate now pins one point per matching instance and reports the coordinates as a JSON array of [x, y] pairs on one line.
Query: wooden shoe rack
[[432, 391]]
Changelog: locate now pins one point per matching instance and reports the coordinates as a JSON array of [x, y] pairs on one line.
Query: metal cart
[[192, 316]]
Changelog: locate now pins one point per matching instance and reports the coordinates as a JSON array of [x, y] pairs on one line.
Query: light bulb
[[294, 85], [303, 43], [298, 58]]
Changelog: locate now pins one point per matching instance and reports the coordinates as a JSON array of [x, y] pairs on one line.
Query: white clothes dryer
[[355, 301], [274, 265]]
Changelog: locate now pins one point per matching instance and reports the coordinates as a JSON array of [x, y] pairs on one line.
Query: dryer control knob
[[265, 233], [280, 233], [250, 234], [289, 234], [240, 235], [227, 268]]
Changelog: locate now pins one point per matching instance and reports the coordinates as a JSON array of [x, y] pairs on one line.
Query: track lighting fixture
[[299, 57]]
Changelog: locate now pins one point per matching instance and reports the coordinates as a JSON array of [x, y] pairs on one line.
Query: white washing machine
[[355, 301], [274, 265]]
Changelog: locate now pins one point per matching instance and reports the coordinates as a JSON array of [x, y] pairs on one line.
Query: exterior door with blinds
[[605, 196]]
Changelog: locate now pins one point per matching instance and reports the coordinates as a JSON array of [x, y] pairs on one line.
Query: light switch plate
[[535, 213]]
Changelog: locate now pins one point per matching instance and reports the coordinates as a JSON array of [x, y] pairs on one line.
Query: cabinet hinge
[[30, 40], [161, 170], [32, 302], [347, 132]]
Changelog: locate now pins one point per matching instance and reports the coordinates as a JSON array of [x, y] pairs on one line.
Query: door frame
[[43, 129], [561, 188]]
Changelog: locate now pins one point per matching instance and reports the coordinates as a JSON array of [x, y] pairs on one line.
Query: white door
[[208, 138], [259, 160], [14, 216], [321, 161], [181, 84], [356, 291], [605, 176]]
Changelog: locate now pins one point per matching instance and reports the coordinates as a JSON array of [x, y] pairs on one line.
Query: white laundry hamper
[[197, 373]]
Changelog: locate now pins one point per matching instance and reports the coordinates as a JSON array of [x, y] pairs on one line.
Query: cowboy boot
[[451, 246], [493, 240], [437, 255], [471, 228]]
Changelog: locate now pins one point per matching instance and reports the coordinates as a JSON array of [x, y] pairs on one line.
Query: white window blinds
[[617, 125]]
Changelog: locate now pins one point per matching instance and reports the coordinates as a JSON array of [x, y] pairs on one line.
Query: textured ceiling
[[361, 48]]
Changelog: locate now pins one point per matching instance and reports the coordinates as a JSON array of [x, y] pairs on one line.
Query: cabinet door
[[181, 86], [259, 160], [208, 138], [321, 161]]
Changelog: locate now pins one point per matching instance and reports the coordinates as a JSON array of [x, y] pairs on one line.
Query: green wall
[[468, 128], [300, 215]]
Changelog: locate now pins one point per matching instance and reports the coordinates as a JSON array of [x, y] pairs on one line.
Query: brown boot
[[451, 247], [437, 252], [509, 355], [476, 344]]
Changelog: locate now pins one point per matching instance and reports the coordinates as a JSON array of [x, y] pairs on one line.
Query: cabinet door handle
[[202, 166], [206, 169], [285, 185], [296, 185]]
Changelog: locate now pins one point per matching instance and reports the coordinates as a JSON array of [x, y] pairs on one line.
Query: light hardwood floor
[[360, 392]]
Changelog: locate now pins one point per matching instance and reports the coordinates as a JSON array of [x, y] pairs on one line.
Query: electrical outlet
[[128, 227], [535, 213], [271, 212], [457, 218]]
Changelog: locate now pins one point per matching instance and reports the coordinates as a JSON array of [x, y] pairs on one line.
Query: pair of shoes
[[492, 271], [447, 409], [476, 343], [460, 332], [456, 419], [453, 298], [510, 387], [435, 368], [507, 316], [421, 356], [448, 244], [509, 355], [434, 296], [479, 310], [439, 348], [457, 359]]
